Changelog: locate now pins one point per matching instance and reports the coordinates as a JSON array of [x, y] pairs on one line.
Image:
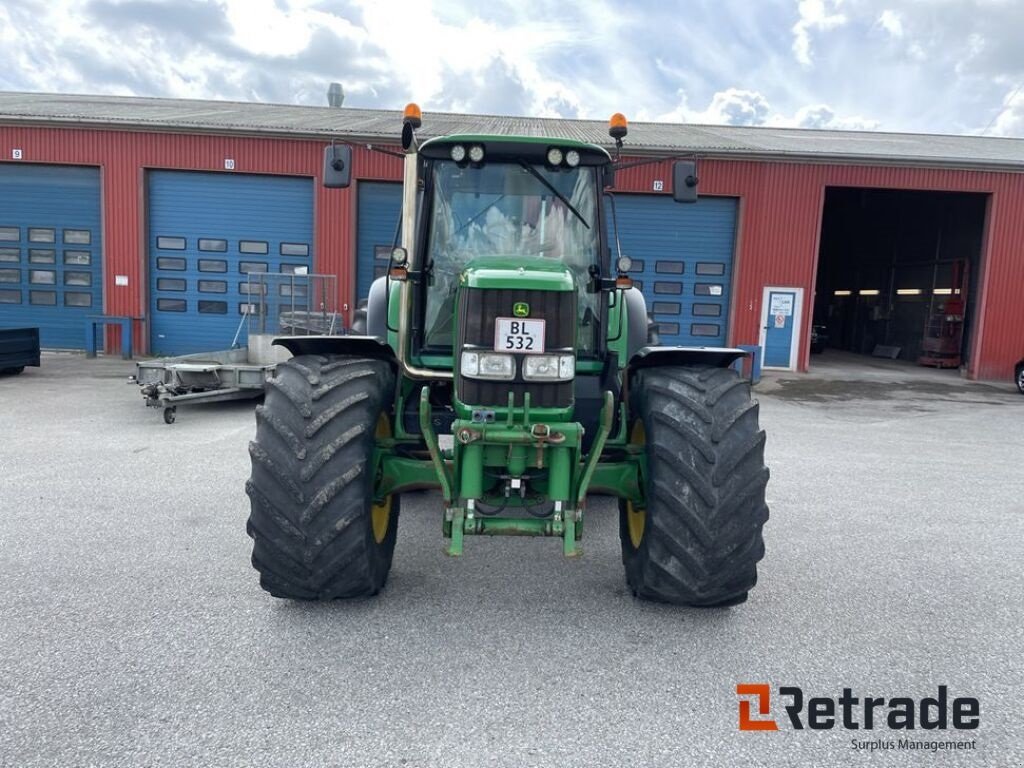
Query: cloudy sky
[[947, 66]]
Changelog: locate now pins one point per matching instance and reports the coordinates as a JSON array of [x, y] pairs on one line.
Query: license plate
[[512, 334]]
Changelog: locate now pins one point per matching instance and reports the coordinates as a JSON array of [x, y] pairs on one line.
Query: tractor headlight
[[476, 154], [549, 367], [458, 153], [487, 365], [554, 156], [572, 158]]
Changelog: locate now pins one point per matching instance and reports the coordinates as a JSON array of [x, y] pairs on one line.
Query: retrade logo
[[762, 694], [850, 712]]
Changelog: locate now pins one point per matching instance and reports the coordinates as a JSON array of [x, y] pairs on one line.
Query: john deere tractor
[[507, 362]]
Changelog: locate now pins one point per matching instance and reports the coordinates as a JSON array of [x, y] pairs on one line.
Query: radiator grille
[[478, 307]]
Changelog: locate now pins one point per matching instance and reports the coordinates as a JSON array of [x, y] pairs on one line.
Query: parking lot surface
[[133, 631]]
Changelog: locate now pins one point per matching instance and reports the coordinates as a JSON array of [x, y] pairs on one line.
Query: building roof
[[188, 115]]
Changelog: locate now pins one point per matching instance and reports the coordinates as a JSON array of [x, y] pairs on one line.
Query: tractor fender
[[636, 316], [717, 357], [357, 346], [377, 309]]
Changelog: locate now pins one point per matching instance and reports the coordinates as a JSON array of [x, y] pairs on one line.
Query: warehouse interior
[[898, 273]]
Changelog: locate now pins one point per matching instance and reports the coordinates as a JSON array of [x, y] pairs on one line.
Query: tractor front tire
[[317, 533], [696, 539]]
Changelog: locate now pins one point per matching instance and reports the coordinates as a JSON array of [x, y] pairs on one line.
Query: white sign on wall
[[16, 154], [780, 321], [229, 164], [659, 185], [781, 304], [120, 279]]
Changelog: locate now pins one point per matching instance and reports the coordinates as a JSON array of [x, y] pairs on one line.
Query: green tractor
[[508, 363]]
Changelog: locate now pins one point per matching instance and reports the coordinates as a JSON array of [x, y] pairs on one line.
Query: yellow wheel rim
[[636, 519], [380, 514]]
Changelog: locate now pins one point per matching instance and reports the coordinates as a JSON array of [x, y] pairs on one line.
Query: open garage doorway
[[898, 275]]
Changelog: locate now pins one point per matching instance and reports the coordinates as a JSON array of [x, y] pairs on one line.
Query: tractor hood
[[518, 272]]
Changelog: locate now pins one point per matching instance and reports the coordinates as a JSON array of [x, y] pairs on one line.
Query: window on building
[[42, 276], [212, 244], [77, 299], [73, 277], [213, 307], [42, 256], [170, 264], [171, 305], [42, 235], [669, 267], [43, 298], [166, 243], [170, 284], [213, 265], [213, 286], [294, 249], [253, 246], [77, 236], [83, 258]]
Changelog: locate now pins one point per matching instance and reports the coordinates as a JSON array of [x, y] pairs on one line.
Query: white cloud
[[815, 16], [1010, 120], [892, 22], [735, 106]]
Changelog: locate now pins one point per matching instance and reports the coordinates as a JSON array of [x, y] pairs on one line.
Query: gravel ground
[[133, 632]]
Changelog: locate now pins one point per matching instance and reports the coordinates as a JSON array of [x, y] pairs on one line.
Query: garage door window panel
[[709, 268], [666, 308], [79, 258], [213, 286], [42, 256], [76, 278], [213, 307], [42, 277], [246, 267], [77, 299], [10, 275], [704, 329], [171, 305], [171, 284], [170, 243], [707, 289], [10, 234], [673, 289], [707, 310], [260, 247], [294, 249], [213, 265], [10, 297], [213, 244], [170, 264], [668, 328], [78, 236], [43, 298], [42, 235], [10, 255], [669, 267]]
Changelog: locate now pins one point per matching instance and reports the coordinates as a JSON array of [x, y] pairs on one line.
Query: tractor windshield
[[511, 211]]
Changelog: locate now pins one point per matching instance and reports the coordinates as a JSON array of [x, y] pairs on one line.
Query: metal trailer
[[19, 347], [286, 304]]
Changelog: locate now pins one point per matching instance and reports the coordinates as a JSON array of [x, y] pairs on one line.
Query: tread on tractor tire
[[316, 533], [699, 538]]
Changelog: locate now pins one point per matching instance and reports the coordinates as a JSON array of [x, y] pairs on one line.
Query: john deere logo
[[521, 309]]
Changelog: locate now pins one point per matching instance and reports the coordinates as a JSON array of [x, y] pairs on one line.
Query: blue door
[[778, 333], [51, 274], [682, 261], [379, 207], [207, 232]]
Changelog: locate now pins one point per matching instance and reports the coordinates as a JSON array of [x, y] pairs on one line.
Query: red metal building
[[779, 180]]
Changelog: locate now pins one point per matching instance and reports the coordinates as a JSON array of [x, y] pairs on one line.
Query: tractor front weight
[[513, 474]]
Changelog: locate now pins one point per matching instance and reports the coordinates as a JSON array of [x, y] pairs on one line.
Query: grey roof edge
[[737, 152]]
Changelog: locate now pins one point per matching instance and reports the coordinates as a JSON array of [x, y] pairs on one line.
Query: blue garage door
[[207, 231], [50, 255], [682, 260], [379, 207]]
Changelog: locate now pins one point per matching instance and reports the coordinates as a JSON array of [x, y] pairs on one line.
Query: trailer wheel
[[696, 537], [169, 414], [317, 533]]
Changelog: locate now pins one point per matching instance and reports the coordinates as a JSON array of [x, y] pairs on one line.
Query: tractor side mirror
[[337, 166], [608, 177], [684, 181]]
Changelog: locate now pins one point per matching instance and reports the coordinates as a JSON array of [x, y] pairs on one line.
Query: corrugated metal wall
[[777, 241]]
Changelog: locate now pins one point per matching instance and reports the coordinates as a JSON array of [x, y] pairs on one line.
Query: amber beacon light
[[412, 115]]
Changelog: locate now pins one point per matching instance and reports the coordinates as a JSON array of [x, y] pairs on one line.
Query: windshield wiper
[[536, 174]]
